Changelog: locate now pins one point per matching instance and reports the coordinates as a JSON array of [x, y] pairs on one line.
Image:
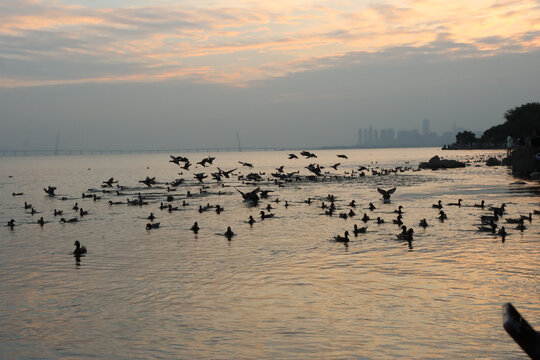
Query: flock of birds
[[113, 190]]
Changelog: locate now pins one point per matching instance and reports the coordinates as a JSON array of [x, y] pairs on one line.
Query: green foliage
[[466, 138]]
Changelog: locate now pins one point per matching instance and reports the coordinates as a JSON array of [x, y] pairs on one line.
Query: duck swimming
[[365, 218], [399, 210], [358, 230], [41, 221], [481, 205], [79, 250], [423, 223], [379, 220], [11, 224], [251, 220], [265, 216], [371, 206], [72, 220], [195, 228], [150, 226], [442, 216], [456, 204], [438, 205], [151, 217], [229, 233], [343, 239]]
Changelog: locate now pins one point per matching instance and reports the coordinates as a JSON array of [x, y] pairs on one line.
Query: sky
[[121, 74]]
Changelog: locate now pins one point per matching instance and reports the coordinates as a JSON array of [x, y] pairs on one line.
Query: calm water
[[280, 289]]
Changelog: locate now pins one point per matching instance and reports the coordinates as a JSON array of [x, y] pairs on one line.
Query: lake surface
[[280, 289]]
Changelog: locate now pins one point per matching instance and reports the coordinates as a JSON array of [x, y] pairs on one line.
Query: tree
[[466, 138], [520, 122]]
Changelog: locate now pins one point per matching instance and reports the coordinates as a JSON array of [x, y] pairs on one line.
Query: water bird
[[491, 228], [229, 233], [343, 239], [148, 181], [352, 203], [487, 219], [514, 220], [150, 226], [16, 194], [308, 154], [72, 220], [195, 228], [200, 177], [226, 173], [76, 207], [79, 250], [365, 218], [521, 227], [177, 159], [110, 182], [438, 205], [358, 230], [269, 207], [398, 220], [219, 209], [352, 213], [423, 223], [186, 165], [498, 210], [41, 221], [406, 235], [335, 166], [265, 216], [115, 202], [456, 204], [386, 194], [342, 215], [207, 160], [342, 156], [251, 196], [251, 220], [502, 233], [481, 205], [379, 220], [27, 206], [293, 156], [399, 210], [525, 217], [11, 224], [246, 164], [371, 206], [82, 212], [442, 216], [50, 190], [58, 212], [151, 217]]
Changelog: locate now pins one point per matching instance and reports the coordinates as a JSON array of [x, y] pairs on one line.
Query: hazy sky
[[162, 74]]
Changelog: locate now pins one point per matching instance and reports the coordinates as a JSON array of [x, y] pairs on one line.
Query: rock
[[493, 162], [438, 163]]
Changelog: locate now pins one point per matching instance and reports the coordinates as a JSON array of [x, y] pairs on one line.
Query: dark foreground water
[[280, 289]]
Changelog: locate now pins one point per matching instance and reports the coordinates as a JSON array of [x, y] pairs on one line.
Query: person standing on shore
[[509, 144]]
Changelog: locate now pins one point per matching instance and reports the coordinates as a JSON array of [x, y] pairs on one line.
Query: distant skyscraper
[[425, 126], [370, 136], [359, 137]]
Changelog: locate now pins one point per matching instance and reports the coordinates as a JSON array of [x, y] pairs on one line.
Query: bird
[[58, 212], [358, 230], [251, 220], [79, 250], [456, 204], [150, 226], [343, 239], [50, 191], [200, 177], [502, 233], [110, 182], [82, 212], [379, 220], [151, 217], [195, 228], [27, 206], [229, 233], [442, 216], [308, 154], [365, 218], [492, 228], [265, 216], [371, 206], [246, 164], [251, 196], [399, 210], [342, 156], [438, 205], [423, 223], [335, 166], [72, 220], [386, 194], [293, 156], [406, 235], [398, 220], [11, 224], [481, 205], [148, 181], [41, 221], [76, 207]]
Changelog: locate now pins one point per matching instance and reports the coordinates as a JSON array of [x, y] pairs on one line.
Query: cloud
[[55, 43]]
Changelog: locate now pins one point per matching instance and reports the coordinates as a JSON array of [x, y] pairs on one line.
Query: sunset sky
[[275, 59]]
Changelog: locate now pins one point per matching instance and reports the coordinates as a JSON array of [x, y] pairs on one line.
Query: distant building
[[425, 126]]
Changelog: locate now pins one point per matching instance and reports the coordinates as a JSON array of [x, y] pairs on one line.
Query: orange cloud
[[272, 39]]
